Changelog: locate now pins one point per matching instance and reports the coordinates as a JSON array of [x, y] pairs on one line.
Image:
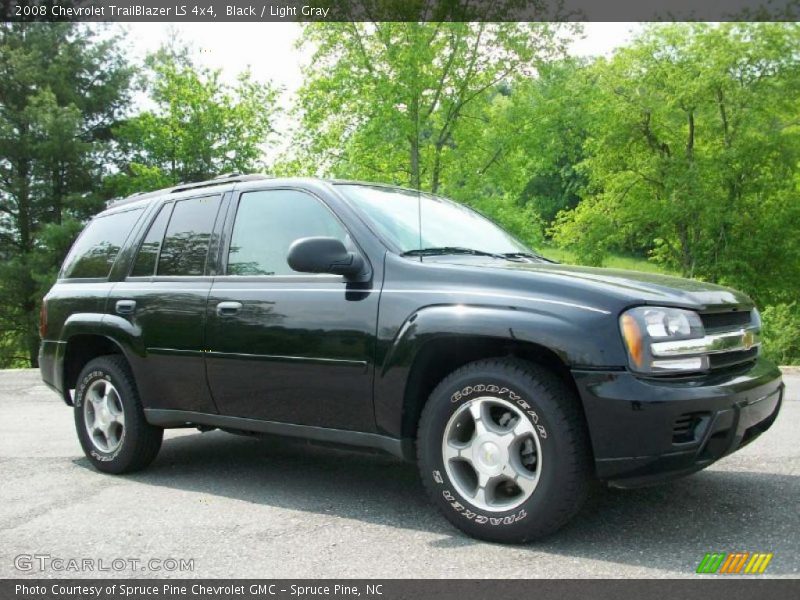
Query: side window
[[94, 252], [145, 263], [185, 246], [267, 222]]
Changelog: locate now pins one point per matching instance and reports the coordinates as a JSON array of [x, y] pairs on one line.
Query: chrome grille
[[733, 323], [731, 338]]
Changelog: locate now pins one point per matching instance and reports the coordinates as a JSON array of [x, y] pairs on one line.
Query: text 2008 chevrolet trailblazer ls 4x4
[[318, 309]]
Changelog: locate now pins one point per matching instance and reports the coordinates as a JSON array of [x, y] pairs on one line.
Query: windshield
[[395, 214]]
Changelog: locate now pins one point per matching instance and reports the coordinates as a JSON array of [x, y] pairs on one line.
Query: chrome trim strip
[[281, 357], [728, 341]]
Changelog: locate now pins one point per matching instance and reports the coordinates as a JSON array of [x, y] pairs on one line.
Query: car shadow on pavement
[[670, 526], [295, 475]]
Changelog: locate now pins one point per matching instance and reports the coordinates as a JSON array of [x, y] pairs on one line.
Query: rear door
[[287, 346], [164, 298]]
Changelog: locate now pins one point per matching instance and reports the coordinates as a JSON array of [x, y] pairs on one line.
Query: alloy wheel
[[104, 416], [492, 454]]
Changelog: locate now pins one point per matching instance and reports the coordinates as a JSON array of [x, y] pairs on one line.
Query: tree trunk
[[27, 284]]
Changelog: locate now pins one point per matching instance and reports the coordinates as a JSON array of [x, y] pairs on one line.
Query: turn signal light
[[633, 339]]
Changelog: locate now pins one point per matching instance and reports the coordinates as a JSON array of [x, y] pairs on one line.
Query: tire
[[546, 467], [129, 442]]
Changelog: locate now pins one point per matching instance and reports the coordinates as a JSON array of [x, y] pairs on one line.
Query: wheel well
[[440, 357], [80, 350]]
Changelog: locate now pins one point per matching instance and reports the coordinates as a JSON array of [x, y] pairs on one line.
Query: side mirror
[[325, 255]]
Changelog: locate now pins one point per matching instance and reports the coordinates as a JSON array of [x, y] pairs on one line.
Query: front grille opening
[[728, 359], [689, 427], [725, 320]]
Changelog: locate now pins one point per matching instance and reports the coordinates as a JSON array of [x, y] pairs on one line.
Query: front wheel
[[503, 450], [109, 418]]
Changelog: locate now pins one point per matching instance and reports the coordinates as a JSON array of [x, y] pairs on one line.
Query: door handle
[[125, 307], [226, 309]]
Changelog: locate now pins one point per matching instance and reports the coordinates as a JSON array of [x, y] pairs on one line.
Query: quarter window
[[95, 251], [185, 246], [267, 222]]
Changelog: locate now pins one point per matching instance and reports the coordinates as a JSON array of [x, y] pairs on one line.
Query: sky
[[268, 49]]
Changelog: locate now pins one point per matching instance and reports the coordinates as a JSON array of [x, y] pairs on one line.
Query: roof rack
[[227, 178], [182, 187]]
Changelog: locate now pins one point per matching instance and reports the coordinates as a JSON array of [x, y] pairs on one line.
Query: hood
[[649, 287], [630, 287]]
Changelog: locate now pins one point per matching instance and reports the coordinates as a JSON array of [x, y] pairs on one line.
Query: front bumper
[[645, 430]]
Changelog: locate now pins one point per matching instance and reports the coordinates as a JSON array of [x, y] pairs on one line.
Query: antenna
[[419, 218]]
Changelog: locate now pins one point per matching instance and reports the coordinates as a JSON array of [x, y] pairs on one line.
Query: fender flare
[[122, 333], [556, 332], [563, 333]]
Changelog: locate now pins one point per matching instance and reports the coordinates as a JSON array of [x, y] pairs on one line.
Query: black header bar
[[399, 10], [721, 588]]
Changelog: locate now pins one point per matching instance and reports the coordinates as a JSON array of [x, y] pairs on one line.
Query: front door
[[287, 346]]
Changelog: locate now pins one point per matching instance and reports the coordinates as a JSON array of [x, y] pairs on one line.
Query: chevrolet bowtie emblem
[[748, 339]]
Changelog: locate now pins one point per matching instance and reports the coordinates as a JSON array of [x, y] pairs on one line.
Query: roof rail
[[227, 178], [181, 187], [115, 202]]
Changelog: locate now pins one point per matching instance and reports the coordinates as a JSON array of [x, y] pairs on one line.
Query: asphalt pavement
[[233, 506]]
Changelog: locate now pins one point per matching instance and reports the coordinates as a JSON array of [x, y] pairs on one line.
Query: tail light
[[43, 319]]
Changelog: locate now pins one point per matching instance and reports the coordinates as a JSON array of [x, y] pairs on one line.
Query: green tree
[[535, 131], [62, 89], [692, 156], [394, 101], [782, 333], [200, 126]]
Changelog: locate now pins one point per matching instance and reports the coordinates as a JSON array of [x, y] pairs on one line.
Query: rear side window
[[94, 252], [145, 264], [185, 245]]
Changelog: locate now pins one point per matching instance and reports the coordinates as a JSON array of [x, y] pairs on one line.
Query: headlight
[[644, 328]]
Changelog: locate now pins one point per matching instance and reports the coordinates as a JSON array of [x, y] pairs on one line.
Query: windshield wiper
[[441, 250], [527, 255]]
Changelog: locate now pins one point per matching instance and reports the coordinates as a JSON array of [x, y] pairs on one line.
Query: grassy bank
[[613, 261]]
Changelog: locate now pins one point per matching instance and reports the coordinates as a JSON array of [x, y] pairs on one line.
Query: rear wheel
[[503, 450], [109, 418]]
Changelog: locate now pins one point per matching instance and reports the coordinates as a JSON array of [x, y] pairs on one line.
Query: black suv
[[374, 316]]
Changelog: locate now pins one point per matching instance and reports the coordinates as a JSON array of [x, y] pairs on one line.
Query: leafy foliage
[[63, 90], [782, 333], [397, 101], [200, 126], [692, 156]]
